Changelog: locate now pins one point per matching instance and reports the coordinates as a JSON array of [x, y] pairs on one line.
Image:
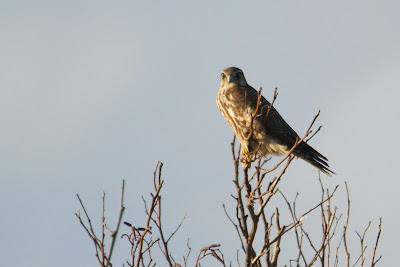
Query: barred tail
[[309, 154]]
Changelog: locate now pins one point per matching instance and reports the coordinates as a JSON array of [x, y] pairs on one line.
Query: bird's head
[[232, 77]]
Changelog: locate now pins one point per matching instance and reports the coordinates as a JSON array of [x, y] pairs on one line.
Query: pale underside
[[257, 125], [240, 118]]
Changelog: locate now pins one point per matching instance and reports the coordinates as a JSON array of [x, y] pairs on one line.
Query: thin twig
[[235, 225], [376, 244], [346, 225], [177, 228], [121, 212]]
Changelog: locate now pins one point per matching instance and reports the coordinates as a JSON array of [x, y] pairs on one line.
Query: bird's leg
[[247, 159]]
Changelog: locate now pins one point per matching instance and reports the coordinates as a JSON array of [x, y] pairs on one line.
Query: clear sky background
[[93, 92]]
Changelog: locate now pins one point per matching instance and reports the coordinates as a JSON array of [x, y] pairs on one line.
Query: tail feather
[[309, 154]]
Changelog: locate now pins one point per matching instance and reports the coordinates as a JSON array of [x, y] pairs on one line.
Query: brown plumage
[[237, 101]]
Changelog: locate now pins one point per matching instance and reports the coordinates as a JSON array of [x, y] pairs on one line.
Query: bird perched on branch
[[259, 127]]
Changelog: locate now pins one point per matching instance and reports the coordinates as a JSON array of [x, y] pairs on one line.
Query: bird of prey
[[257, 125]]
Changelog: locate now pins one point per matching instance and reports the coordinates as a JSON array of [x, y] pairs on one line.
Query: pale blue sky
[[93, 92]]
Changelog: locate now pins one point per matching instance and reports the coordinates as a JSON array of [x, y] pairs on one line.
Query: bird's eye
[[223, 75]]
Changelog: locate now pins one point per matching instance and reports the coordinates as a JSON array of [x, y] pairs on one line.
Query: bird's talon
[[246, 160]]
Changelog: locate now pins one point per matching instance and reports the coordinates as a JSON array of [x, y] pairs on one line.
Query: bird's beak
[[230, 79]]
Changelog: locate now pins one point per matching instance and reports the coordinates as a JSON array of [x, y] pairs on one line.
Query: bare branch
[[177, 228], [346, 225], [235, 225], [121, 212], [362, 244], [373, 263], [212, 250]]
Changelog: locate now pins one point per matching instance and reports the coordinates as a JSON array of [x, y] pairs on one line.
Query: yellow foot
[[247, 159]]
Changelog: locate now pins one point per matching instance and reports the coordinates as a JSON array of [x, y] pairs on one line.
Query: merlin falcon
[[257, 125]]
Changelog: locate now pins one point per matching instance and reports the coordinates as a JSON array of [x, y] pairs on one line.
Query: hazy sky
[[93, 92]]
